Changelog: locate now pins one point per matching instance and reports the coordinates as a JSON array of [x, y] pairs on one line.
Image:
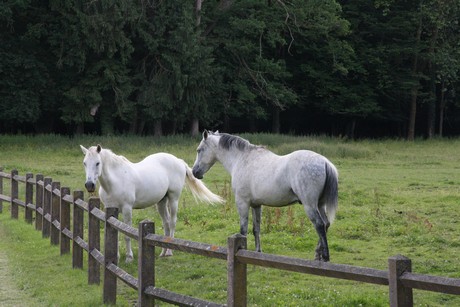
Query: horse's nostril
[[90, 187]]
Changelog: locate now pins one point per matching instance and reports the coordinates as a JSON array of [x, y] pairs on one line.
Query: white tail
[[199, 190]]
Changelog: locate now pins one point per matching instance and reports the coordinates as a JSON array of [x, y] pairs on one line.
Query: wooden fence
[[53, 206]]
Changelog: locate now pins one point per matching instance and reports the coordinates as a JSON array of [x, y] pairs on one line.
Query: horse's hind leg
[[173, 207], [319, 248], [165, 217], [321, 225], [256, 218]]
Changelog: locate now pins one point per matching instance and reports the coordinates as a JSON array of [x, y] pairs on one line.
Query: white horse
[[158, 179], [260, 177]]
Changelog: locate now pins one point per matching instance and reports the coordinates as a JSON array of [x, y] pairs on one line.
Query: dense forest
[[361, 68]]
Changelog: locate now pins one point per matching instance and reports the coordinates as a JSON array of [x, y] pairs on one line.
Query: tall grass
[[395, 197]]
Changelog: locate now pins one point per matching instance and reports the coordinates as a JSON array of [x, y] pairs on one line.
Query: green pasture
[[395, 197]]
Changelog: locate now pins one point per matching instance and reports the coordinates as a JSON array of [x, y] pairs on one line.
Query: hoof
[[319, 257], [129, 259], [166, 253]]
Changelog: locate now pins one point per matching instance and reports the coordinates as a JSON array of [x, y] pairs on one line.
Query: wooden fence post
[[145, 264], [77, 250], [65, 222], [236, 273], [399, 295], [1, 190], [14, 195], [46, 229], [94, 242], [29, 199], [55, 213], [110, 257], [38, 202]]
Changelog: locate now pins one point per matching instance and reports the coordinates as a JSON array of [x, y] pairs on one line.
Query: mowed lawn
[[395, 197]]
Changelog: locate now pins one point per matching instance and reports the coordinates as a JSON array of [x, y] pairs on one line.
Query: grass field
[[395, 197]]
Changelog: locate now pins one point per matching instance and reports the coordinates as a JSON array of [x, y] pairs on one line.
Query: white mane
[[110, 157]]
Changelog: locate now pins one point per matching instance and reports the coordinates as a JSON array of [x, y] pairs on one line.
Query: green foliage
[[183, 66], [120, 67], [255, 39]]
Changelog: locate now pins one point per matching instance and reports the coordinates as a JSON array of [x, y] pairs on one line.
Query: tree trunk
[[198, 12], [140, 126], [276, 120], [157, 128], [414, 89], [107, 122], [442, 105], [252, 125], [133, 124], [431, 111], [351, 129], [80, 129], [226, 124], [195, 127], [412, 114], [174, 127]]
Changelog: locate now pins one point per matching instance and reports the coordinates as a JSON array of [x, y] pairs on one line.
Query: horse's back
[[291, 163], [307, 165], [160, 173], [271, 179], [164, 165]]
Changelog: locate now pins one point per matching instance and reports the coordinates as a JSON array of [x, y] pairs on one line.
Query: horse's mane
[[112, 157], [228, 141]]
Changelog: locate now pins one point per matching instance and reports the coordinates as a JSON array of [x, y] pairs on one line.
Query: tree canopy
[[352, 68]]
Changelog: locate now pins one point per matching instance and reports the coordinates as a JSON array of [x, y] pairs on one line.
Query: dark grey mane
[[227, 141]]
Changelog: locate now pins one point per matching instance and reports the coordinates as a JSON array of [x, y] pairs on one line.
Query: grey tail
[[331, 191]]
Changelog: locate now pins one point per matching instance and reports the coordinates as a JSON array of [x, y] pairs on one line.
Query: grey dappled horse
[[260, 177]]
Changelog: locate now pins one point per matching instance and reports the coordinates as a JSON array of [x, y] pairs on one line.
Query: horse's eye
[[97, 164], [198, 150], [84, 163]]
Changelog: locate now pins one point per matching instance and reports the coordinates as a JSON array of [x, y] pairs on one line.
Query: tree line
[[353, 68]]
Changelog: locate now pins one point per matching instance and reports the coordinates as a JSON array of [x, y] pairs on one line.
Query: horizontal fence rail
[[60, 215], [327, 269]]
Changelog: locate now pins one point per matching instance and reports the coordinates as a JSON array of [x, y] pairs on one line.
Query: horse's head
[[205, 154], [93, 166]]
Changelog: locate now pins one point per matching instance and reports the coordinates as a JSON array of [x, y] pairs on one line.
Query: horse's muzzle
[[90, 186], [197, 173]]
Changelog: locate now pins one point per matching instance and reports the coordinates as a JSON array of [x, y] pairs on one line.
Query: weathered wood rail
[[55, 205]]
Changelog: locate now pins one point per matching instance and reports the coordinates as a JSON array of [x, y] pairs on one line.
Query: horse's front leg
[[256, 218], [243, 210], [127, 212]]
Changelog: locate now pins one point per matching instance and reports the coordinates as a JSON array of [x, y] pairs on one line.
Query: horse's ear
[[83, 149], [99, 148], [205, 134], [216, 132]]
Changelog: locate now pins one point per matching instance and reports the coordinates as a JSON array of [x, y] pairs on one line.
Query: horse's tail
[[199, 190], [331, 191]]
